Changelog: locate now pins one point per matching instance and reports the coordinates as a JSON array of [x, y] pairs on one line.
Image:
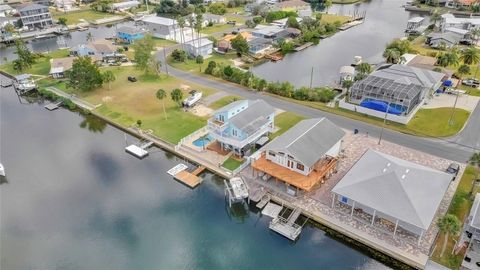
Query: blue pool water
[[203, 141], [380, 105]]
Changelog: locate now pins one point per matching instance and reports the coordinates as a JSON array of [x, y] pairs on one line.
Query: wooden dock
[[303, 47], [54, 105], [190, 179], [274, 57]]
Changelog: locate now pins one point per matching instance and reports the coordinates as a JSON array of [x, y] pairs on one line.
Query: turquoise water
[[75, 200]]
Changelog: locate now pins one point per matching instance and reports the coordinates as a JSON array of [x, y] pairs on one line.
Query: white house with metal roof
[[241, 123], [201, 46], [396, 193], [162, 27]]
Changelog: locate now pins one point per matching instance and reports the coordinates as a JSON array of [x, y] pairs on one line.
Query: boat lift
[[236, 191]]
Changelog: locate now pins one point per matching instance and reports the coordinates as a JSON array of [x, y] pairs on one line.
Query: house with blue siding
[[129, 34], [240, 124]]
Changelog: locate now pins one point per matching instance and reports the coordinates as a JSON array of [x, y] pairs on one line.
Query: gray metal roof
[[29, 7], [450, 37], [309, 140], [259, 41], [401, 189], [253, 117], [475, 212]]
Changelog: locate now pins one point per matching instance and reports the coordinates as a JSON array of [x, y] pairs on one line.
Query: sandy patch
[[201, 110], [184, 87], [465, 102], [107, 99]]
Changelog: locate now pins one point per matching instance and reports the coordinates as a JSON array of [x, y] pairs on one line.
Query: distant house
[[259, 45], [64, 5], [213, 18], [445, 39], [202, 46], [401, 88], [98, 48], [59, 66], [425, 62], [162, 27], [224, 44], [283, 22], [6, 10], [450, 21], [129, 34], [268, 31], [35, 16], [82, 50], [121, 6], [241, 124], [303, 156], [459, 3], [415, 26], [472, 231], [391, 191]]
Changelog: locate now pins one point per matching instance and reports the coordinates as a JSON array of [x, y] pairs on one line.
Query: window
[[271, 153], [234, 132], [344, 199], [281, 154], [300, 167]]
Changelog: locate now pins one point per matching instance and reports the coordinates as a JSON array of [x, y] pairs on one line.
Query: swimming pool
[[203, 141], [380, 105]]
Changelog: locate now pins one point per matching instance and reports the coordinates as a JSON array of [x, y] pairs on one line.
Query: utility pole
[[165, 60], [451, 121], [383, 125], [311, 78], [146, 3]]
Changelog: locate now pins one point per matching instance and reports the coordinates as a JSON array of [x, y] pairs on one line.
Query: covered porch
[[386, 223], [294, 181]]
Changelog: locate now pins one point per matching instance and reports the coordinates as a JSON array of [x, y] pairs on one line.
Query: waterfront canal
[[75, 200], [385, 20]]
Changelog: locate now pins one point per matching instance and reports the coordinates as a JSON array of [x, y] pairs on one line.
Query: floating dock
[[54, 105], [264, 201], [274, 57], [303, 47], [181, 174], [350, 25], [139, 151], [272, 210], [287, 226]]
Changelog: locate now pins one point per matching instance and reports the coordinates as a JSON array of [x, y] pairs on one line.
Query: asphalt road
[[458, 148]]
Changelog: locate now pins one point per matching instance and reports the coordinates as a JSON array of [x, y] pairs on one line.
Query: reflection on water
[[93, 123]]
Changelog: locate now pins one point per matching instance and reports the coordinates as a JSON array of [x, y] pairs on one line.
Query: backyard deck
[[304, 182]]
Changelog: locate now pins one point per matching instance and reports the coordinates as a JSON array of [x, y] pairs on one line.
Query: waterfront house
[[196, 47], [224, 44], [450, 21], [6, 10], [459, 4], [122, 6], [82, 50], [259, 45], [58, 66], [35, 16], [401, 88], [129, 34], [443, 40], [240, 124], [401, 196], [64, 5], [162, 27], [268, 31], [302, 157], [93, 49], [471, 260]]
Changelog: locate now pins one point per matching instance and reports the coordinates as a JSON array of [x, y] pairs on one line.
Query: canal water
[[385, 20], [73, 199]]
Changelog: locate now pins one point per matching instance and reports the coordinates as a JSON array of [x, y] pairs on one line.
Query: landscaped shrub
[[277, 15], [179, 55]]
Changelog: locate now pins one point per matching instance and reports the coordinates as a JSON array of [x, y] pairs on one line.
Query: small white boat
[[194, 97], [2, 170]]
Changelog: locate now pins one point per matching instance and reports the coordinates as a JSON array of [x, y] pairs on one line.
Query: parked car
[[453, 169], [471, 82], [132, 79], [232, 22]]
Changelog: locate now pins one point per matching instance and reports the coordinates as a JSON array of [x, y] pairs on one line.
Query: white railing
[[197, 132], [217, 125], [242, 143]]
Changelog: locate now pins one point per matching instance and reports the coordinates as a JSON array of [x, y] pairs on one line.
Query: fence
[[391, 117], [198, 132]]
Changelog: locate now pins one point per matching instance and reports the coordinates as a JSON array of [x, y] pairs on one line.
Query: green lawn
[[127, 102], [74, 17], [239, 19], [460, 207], [285, 121], [434, 122], [232, 163], [470, 90], [42, 65], [224, 101], [344, 2], [216, 28], [163, 42], [331, 18], [191, 66]]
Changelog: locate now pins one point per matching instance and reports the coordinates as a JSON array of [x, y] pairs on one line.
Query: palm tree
[[347, 84], [181, 24], [471, 56], [191, 22], [475, 162], [161, 94], [391, 56], [475, 33], [89, 36], [364, 68], [463, 70], [435, 16], [198, 27], [108, 77], [449, 224], [176, 95], [155, 64], [448, 59]]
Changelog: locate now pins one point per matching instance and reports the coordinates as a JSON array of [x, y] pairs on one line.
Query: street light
[[384, 122], [451, 121]]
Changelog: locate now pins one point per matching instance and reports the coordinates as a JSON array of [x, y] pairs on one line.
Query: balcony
[[217, 126], [236, 142]]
